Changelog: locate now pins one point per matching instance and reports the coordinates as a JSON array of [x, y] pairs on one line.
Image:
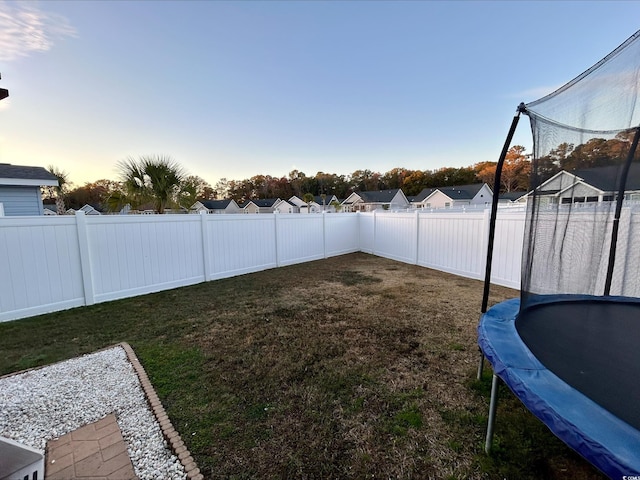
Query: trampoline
[[569, 347]]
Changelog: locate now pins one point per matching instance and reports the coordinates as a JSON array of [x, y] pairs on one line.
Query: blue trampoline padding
[[611, 445]]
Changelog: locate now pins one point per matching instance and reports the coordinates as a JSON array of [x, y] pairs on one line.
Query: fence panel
[[240, 243], [300, 238], [341, 234], [395, 236], [134, 255], [40, 265], [507, 249], [366, 229], [453, 242]]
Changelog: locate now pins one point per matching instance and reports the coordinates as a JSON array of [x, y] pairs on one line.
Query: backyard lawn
[[350, 367]]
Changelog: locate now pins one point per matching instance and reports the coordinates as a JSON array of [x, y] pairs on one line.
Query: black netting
[[583, 216]]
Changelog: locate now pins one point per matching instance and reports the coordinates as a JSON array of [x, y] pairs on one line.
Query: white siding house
[[478, 194], [317, 205], [260, 205], [375, 200], [215, 206], [283, 206], [589, 185]]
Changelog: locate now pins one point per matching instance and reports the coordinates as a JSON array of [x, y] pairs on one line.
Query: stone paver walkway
[[92, 452]]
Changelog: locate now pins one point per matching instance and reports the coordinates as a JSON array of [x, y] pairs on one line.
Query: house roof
[[461, 192], [606, 178], [327, 199], [378, 196], [422, 195], [456, 192], [511, 195], [216, 204], [24, 175], [287, 202], [265, 202], [91, 209]]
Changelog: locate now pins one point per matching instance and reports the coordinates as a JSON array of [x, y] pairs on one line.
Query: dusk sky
[[240, 88]]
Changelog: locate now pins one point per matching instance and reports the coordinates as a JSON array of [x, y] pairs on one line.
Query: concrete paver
[[92, 452]]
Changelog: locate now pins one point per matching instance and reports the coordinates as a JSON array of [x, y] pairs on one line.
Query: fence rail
[[54, 263]]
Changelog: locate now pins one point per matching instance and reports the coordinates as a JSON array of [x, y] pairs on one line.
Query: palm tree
[[61, 189], [152, 179], [308, 198]]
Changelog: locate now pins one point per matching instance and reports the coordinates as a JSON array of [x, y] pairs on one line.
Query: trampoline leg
[[492, 413], [481, 365]]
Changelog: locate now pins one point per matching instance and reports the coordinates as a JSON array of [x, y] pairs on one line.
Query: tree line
[[158, 182]]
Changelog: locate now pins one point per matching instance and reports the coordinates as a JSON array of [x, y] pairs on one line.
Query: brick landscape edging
[[170, 434]]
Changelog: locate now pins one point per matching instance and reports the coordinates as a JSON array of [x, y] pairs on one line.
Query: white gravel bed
[[46, 403]]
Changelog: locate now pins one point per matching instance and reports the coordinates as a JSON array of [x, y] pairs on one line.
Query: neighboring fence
[[54, 263]]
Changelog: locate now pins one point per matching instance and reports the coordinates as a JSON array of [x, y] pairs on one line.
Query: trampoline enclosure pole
[[494, 205], [616, 218], [492, 220]]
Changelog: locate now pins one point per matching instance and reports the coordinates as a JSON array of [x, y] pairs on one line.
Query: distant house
[[49, 209], [284, 206], [317, 205], [215, 206], [261, 205], [590, 185], [456, 196], [325, 204], [86, 209], [20, 189], [375, 200], [513, 198], [301, 204]]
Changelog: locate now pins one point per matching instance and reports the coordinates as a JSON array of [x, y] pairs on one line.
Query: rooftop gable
[[25, 175]]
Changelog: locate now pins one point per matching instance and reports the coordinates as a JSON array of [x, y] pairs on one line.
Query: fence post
[[417, 236], [324, 233], [275, 239], [85, 258], [373, 245], [359, 228], [206, 254]]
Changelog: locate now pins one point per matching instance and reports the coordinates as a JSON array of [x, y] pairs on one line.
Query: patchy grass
[[349, 367]]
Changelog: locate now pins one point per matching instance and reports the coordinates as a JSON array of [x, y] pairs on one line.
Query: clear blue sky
[[240, 88]]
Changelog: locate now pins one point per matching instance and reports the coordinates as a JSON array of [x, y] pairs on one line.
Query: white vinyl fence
[[454, 242], [54, 263]]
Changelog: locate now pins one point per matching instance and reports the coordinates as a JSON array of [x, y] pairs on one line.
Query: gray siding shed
[[18, 200], [20, 189]]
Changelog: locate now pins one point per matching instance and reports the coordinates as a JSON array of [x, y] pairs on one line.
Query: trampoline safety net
[[582, 233]]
